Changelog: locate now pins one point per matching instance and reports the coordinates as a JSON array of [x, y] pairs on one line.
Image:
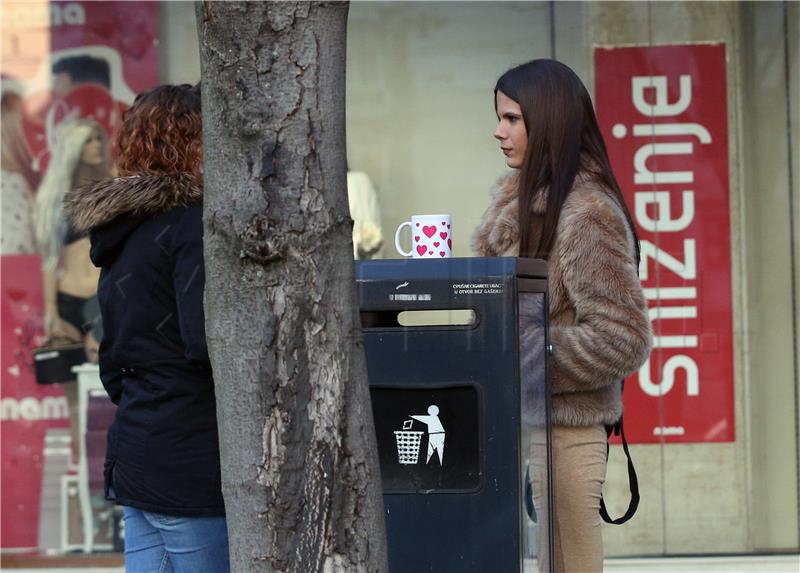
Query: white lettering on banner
[[644, 176], [663, 221], [679, 341], [662, 107], [650, 129], [32, 409], [44, 14], [653, 213], [669, 431], [671, 366], [72, 14], [660, 313], [670, 293], [687, 270]]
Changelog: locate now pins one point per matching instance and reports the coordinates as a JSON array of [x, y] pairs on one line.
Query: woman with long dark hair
[[562, 203], [146, 231]]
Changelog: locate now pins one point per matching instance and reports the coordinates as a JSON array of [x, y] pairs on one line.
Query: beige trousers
[[579, 471]]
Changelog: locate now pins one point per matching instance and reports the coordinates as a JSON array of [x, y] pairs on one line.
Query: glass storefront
[[698, 103]]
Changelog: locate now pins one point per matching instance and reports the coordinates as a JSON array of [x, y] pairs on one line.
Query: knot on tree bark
[[257, 245]]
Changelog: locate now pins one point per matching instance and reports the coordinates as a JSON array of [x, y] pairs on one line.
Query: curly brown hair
[[162, 132]]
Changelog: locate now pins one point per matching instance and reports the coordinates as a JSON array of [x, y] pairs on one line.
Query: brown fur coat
[[599, 325]]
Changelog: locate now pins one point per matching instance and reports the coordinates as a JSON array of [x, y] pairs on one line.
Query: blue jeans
[[158, 543]]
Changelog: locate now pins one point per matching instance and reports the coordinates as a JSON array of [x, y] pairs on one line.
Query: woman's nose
[[499, 134]]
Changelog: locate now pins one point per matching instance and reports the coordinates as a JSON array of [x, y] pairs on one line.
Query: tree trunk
[[299, 461]]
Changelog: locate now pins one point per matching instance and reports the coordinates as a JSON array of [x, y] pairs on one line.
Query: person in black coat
[[146, 230]]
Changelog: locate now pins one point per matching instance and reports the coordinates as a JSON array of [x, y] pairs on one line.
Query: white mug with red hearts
[[430, 237]]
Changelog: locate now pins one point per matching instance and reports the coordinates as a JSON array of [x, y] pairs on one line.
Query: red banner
[[28, 410], [663, 113], [59, 60], [68, 59]]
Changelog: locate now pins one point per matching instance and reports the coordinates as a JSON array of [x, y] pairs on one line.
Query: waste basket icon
[[408, 443]]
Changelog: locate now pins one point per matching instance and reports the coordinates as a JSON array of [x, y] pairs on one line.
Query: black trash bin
[[457, 365]]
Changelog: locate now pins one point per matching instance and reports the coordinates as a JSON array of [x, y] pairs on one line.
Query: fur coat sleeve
[[610, 336]]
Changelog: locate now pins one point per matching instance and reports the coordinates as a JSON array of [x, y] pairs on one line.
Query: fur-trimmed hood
[[114, 208], [99, 203]]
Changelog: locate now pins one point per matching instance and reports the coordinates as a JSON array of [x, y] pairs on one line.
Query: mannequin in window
[[81, 155], [364, 210], [18, 181]]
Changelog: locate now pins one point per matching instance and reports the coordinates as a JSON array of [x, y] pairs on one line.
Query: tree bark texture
[[299, 460]]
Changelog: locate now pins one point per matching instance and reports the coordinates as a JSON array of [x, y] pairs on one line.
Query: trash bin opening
[[419, 318]]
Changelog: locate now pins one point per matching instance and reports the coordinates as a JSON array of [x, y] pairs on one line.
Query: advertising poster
[[664, 116], [62, 63]]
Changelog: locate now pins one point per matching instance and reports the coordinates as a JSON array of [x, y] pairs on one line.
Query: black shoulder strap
[[618, 430]]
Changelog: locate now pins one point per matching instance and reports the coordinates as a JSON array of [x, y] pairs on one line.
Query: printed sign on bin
[[427, 438]]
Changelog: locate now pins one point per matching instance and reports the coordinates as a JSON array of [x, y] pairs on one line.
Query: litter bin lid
[[457, 267]]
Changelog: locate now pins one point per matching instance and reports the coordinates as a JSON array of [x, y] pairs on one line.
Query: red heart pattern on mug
[[431, 237]]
